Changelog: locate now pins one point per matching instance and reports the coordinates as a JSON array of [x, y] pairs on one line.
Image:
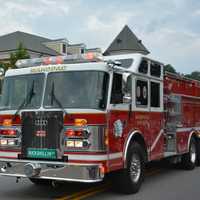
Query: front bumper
[[60, 171]]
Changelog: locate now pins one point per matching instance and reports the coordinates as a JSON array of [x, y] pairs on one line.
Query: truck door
[[156, 110], [117, 121]]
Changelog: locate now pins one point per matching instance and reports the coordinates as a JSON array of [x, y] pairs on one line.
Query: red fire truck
[[79, 118]]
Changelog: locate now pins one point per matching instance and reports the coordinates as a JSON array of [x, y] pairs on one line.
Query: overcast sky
[[169, 29]]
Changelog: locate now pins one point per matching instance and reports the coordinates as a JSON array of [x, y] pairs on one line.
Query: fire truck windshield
[[16, 90], [77, 89]]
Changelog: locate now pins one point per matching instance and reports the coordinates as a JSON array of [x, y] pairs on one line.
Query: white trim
[[187, 129], [94, 157], [187, 96], [8, 154], [189, 139], [74, 156], [156, 140], [127, 143]]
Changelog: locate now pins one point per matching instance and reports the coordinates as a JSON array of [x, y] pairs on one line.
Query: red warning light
[[59, 60], [90, 56], [47, 61]]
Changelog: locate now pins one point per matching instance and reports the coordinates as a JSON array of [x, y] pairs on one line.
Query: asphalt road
[[161, 183]]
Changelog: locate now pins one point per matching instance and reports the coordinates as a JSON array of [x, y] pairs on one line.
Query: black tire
[[198, 152], [189, 159], [39, 182], [125, 181]]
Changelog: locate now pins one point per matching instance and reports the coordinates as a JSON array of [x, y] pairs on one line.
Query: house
[[37, 46], [126, 42]]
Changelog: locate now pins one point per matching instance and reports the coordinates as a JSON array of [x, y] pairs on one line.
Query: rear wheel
[[129, 180], [189, 159]]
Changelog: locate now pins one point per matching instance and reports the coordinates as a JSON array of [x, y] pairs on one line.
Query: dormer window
[[64, 48], [82, 50]]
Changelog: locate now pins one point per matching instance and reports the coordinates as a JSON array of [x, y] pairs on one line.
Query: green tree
[[20, 53], [194, 75], [169, 68]]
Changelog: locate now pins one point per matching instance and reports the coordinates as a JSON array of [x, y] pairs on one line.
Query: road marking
[[153, 172], [86, 193], [98, 189]]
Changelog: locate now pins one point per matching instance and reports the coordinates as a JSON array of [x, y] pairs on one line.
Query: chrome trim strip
[[57, 179]]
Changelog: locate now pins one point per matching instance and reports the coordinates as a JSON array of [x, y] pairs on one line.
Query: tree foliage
[[169, 68], [194, 75], [20, 53]]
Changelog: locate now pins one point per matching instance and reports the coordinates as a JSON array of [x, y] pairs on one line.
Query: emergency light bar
[[68, 59]]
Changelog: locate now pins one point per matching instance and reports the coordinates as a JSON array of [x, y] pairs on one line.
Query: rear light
[[80, 122], [93, 138], [3, 142], [11, 142], [78, 143], [8, 132], [77, 133], [7, 122], [69, 133]]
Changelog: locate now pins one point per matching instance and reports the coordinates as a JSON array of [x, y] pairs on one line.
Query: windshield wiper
[[26, 100], [54, 98]]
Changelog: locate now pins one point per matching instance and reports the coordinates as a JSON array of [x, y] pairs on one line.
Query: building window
[[82, 50], [155, 70], [155, 94], [141, 93], [143, 68], [64, 48]]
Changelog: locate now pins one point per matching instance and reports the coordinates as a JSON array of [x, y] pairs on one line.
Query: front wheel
[[129, 180], [189, 160]]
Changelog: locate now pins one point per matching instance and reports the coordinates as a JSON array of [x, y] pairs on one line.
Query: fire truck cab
[[79, 118]]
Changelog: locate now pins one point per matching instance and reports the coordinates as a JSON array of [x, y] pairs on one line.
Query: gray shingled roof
[[126, 41], [30, 42]]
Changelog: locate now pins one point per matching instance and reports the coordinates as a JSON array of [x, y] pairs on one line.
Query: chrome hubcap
[[193, 153], [135, 168]]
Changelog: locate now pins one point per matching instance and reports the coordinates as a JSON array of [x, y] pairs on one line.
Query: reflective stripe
[[94, 157], [156, 140], [187, 129], [8, 154], [74, 156]]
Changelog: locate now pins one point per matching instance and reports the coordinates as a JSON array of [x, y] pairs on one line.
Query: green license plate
[[42, 153]]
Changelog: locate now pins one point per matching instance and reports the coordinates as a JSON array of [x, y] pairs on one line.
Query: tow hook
[[17, 179]]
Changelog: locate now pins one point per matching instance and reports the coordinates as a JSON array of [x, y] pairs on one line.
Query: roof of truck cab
[[97, 66]]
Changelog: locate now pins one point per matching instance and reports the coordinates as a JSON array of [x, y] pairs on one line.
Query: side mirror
[[2, 71], [127, 98]]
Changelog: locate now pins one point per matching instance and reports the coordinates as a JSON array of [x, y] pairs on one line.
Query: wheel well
[[137, 137], [193, 135]]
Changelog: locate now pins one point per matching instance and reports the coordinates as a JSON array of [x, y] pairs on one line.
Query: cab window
[[117, 93], [155, 94], [143, 68], [141, 93]]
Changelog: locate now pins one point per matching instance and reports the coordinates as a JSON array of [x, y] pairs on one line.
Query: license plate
[[42, 153]]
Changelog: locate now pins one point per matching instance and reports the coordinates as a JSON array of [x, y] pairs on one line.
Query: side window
[[141, 93], [155, 94], [155, 70], [143, 68], [117, 94]]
